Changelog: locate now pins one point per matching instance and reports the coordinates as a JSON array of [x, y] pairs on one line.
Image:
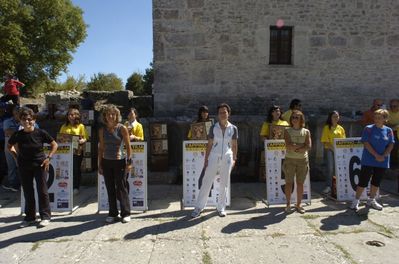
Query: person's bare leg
[[299, 194], [287, 190]]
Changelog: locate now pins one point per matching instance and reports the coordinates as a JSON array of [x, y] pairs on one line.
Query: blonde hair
[[301, 119], [110, 109], [383, 112]]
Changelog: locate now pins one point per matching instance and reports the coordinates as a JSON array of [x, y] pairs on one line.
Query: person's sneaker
[[26, 223], [9, 188], [374, 204], [222, 213], [355, 205], [196, 212], [75, 191], [327, 190], [44, 223], [110, 219], [126, 219]]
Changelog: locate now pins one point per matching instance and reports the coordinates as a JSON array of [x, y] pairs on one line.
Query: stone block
[[393, 40], [317, 41], [328, 54], [337, 41]]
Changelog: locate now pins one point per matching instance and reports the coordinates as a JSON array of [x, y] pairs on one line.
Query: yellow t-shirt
[[264, 132], [286, 116], [328, 135], [393, 120], [78, 130], [136, 129]]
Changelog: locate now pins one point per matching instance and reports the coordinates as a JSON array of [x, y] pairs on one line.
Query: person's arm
[[208, 151], [13, 150], [370, 149], [18, 83], [46, 162], [140, 133], [126, 141], [388, 150], [100, 150], [83, 135], [288, 143], [234, 147], [307, 145]]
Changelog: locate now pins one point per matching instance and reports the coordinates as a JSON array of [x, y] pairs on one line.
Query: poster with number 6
[[275, 179], [193, 163], [347, 156]]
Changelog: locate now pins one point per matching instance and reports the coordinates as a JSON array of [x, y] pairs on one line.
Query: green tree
[[105, 82], [135, 83], [38, 37], [148, 80]]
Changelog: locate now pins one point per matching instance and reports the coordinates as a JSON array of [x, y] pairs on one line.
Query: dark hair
[[273, 108], [73, 109], [135, 112], [201, 110], [329, 118], [224, 105], [25, 112], [294, 103], [301, 120]]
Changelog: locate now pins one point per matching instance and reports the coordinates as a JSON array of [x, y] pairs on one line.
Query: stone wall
[[345, 53]]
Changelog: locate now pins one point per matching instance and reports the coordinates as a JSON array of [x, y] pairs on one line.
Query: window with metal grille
[[280, 45]]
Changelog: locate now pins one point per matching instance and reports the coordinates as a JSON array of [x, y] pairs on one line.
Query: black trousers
[[77, 171], [3, 163], [13, 98], [28, 173], [115, 179]]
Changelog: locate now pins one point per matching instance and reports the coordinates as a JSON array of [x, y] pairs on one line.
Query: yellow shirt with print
[[393, 120], [286, 116], [265, 130], [136, 130], [78, 130], [328, 135]]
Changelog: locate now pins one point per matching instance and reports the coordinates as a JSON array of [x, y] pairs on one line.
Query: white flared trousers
[[223, 165]]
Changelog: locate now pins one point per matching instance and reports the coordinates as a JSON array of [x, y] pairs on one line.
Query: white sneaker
[[126, 219], [110, 219], [222, 213], [327, 190], [75, 191], [44, 223], [196, 212], [374, 204], [26, 223], [355, 205]]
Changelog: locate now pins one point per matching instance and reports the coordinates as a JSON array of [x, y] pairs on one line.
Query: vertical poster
[[347, 155], [137, 180], [59, 180], [275, 178], [193, 163]]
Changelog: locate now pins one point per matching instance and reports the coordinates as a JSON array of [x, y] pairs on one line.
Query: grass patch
[[206, 258], [383, 229], [310, 216], [346, 254], [37, 244], [277, 234]]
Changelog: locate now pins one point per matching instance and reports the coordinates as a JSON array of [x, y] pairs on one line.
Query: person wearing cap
[[203, 116], [3, 164], [11, 89], [368, 116], [10, 126], [295, 104]]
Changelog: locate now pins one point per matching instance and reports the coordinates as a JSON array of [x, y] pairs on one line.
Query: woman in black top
[[27, 148]]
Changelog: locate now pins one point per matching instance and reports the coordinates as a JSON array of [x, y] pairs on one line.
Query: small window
[[280, 45]]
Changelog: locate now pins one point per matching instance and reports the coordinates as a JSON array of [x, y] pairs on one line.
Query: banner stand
[[59, 181], [137, 180], [193, 164], [275, 179]]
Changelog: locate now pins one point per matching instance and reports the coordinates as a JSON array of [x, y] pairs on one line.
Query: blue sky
[[119, 38]]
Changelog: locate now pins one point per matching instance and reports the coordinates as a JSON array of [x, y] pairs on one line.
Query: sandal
[[300, 209]]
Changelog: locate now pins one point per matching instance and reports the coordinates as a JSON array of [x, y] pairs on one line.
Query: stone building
[[250, 53]]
